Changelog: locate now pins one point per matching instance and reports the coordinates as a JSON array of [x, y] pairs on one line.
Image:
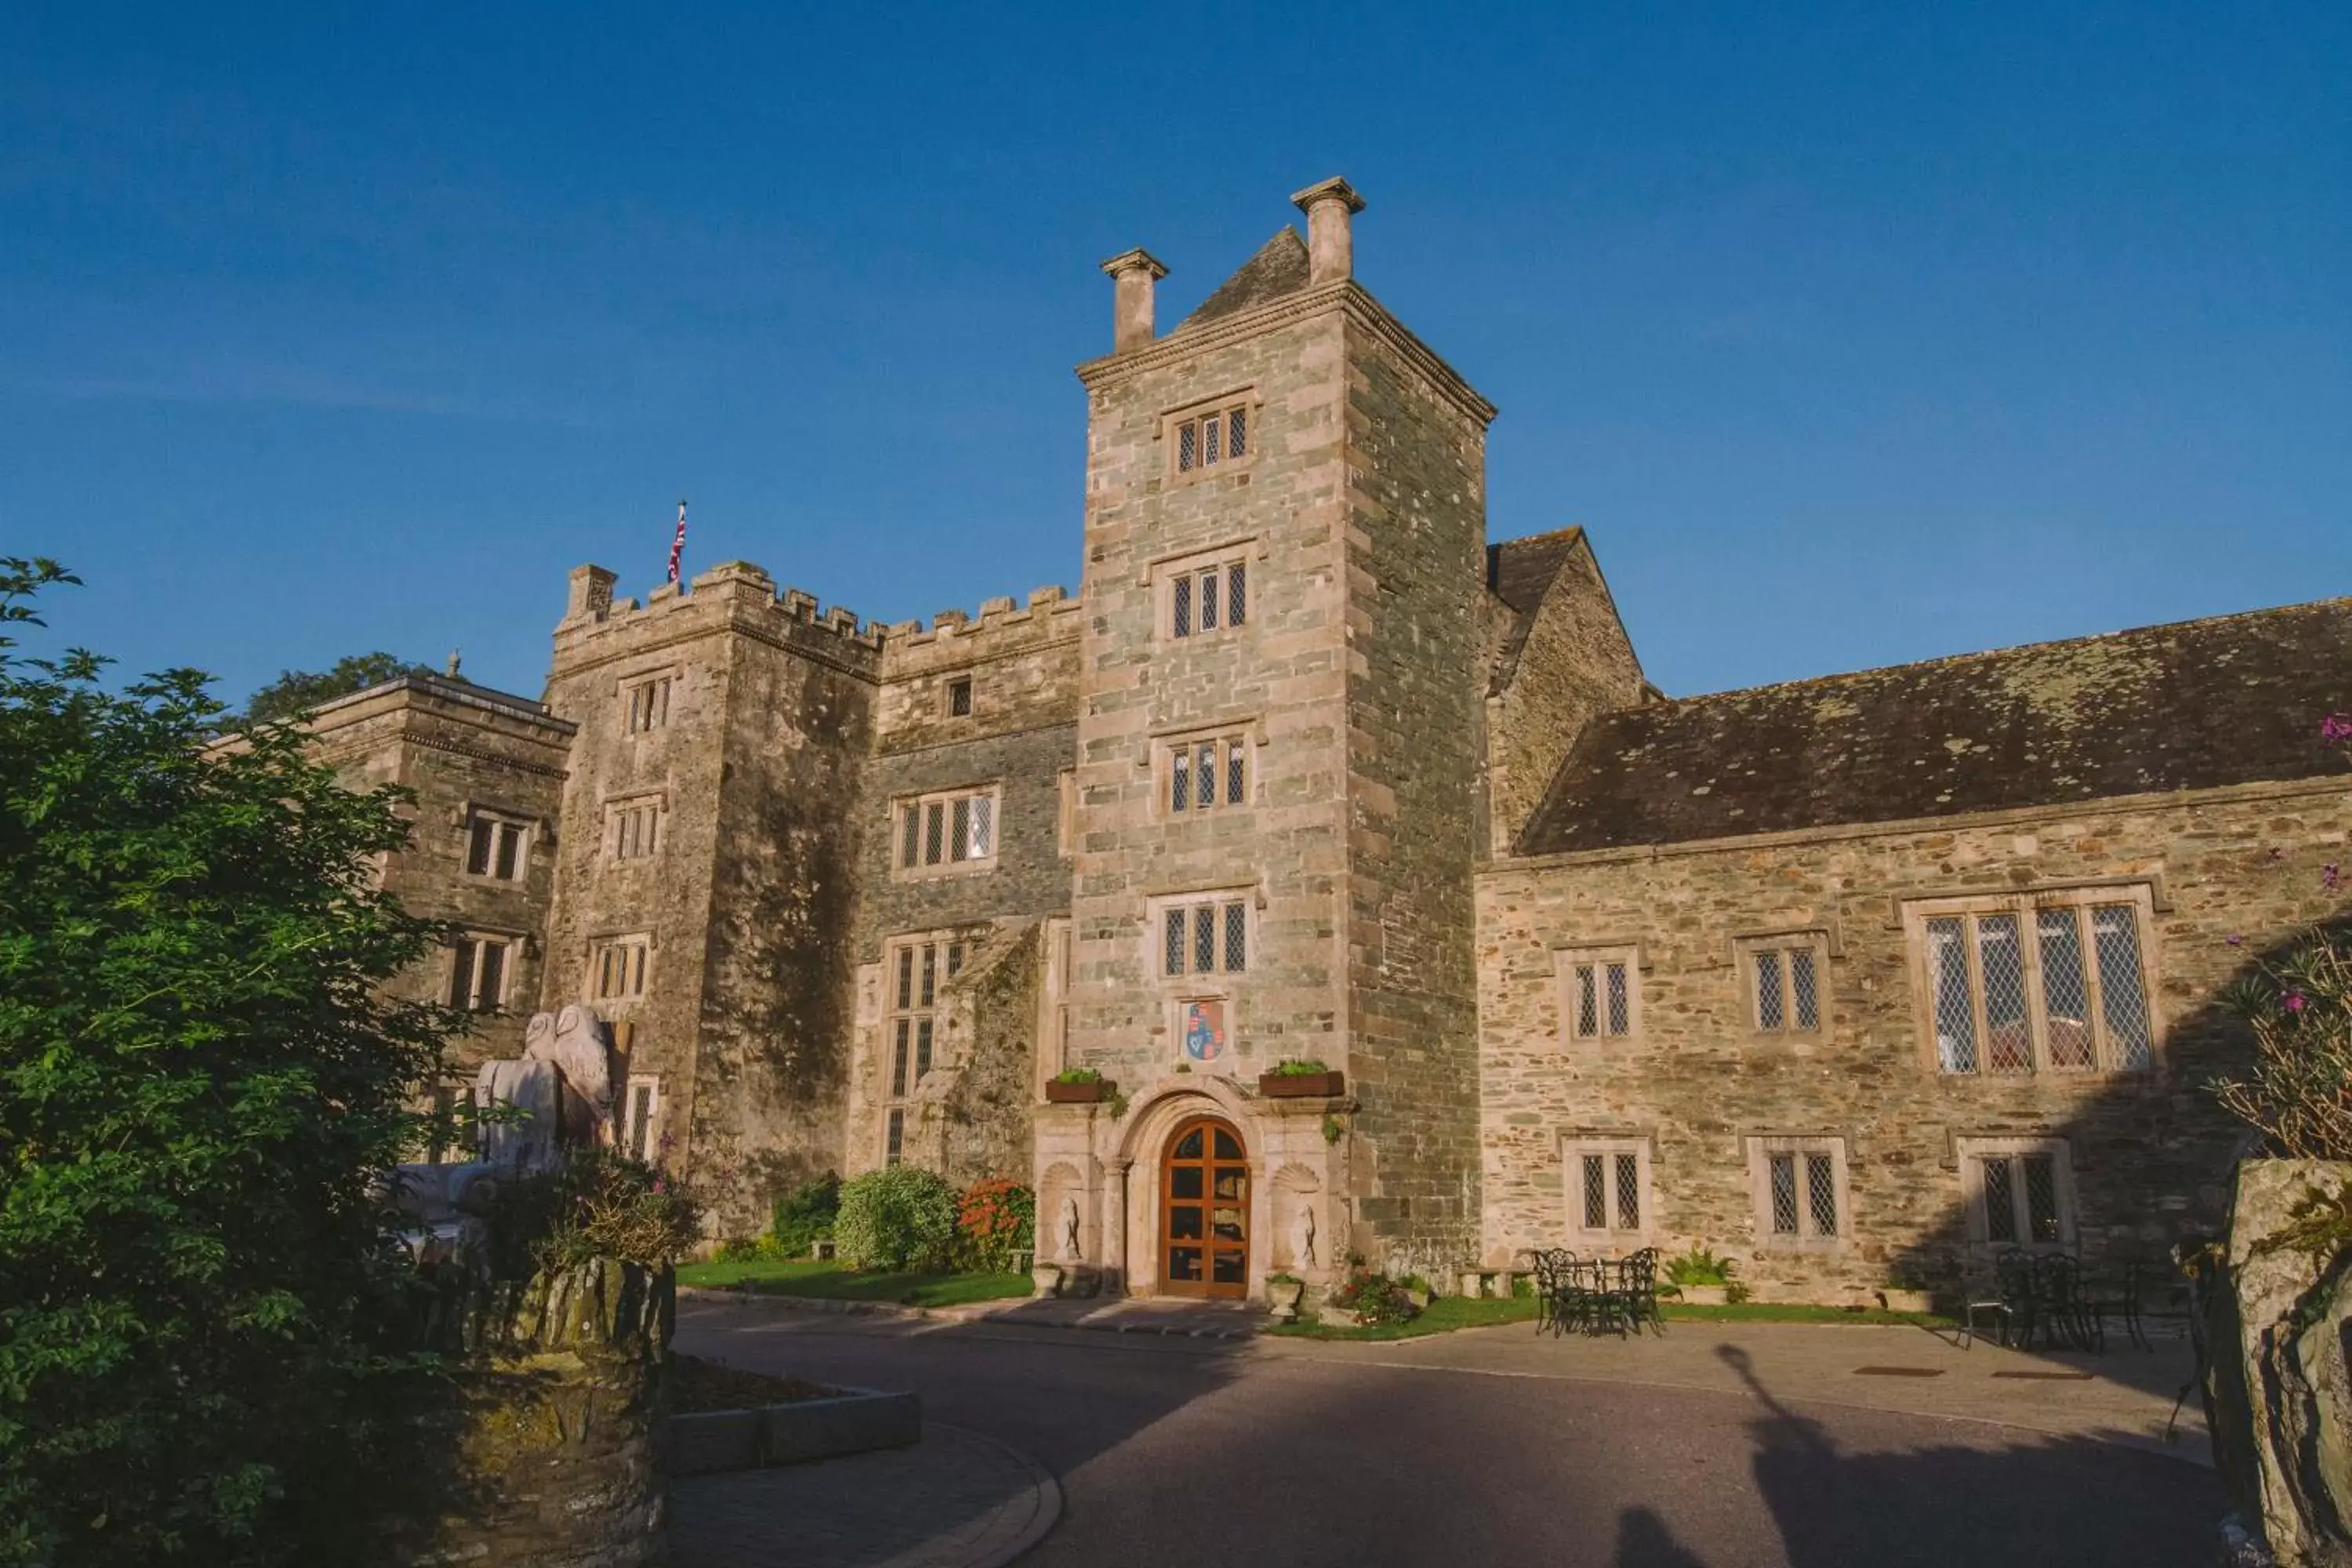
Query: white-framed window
[[1207, 597], [1599, 994], [1800, 1185], [1786, 979], [648, 703], [960, 697], [616, 967], [1203, 773], [637, 829], [496, 846], [641, 1105], [952, 830], [1203, 934], [2037, 983], [481, 967], [2021, 1191], [915, 971], [1607, 1184], [1212, 437]]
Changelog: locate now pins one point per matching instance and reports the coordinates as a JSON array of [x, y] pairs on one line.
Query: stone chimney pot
[[1133, 272], [1330, 250]]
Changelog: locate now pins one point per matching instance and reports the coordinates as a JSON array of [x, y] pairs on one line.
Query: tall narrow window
[[1608, 1186], [1784, 984], [636, 833], [1801, 1194], [617, 968], [916, 974], [2037, 983], [960, 698], [639, 1111], [648, 703], [1597, 999], [478, 973]]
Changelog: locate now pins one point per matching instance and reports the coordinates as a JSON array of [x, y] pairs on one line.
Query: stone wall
[[1415, 567], [749, 901], [2226, 873], [460, 748]]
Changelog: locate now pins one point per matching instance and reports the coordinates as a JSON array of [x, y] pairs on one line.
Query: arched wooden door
[[1204, 1211]]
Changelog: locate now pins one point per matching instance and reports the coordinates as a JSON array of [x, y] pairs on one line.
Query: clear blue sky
[[1854, 334]]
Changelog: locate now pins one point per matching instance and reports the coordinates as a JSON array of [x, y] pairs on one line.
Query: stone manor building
[[1853, 979]]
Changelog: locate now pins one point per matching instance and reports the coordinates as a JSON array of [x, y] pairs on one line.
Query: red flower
[[2296, 1002], [2335, 727]]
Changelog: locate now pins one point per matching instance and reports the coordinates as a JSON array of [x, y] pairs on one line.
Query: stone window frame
[[640, 1116], [1197, 984], [646, 697], [1066, 812], [914, 1021], [478, 816], [1566, 997], [1174, 422], [1059, 964], [1243, 736], [2026, 904], [911, 811], [1577, 1144], [636, 979], [1223, 561], [956, 697], [1761, 1148], [1745, 949], [468, 952], [630, 837], [1973, 1151]]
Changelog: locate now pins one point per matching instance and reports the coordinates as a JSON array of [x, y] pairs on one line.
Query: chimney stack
[[1133, 272], [1330, 249], [591, 594]]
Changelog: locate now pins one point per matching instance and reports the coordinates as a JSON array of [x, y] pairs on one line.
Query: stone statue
[[1302, 1238], [562, 1085], [1069, 1253], [578, 1045]]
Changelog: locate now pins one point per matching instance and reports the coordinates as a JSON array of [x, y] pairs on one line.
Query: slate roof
[[1279, 268], [2193, 705], [1518, 571]]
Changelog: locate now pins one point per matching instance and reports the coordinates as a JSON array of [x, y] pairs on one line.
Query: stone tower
[[709, 855], [1276, 813]]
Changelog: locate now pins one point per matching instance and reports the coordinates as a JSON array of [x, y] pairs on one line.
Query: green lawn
[[1447, 1313], [835, 1282]]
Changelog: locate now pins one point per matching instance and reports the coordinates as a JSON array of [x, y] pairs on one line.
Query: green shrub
[[1375, 1298], [1078, 1075], [1699, 1266], [805, 1217], [1298, 1067], [2299, 1007], [901, 1217]]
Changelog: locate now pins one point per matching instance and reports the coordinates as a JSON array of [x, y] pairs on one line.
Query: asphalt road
[[1182, 1453]]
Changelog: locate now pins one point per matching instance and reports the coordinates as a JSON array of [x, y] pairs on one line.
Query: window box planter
[[1704, 1295], [1302, 1085], [1100, 1089]]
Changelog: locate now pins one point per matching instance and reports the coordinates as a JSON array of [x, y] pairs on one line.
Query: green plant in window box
[[1301, 1079]]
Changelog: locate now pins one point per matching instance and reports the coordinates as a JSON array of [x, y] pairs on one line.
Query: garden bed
[[700, 1386]]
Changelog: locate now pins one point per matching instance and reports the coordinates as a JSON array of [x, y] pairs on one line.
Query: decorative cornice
[[1345, 295]]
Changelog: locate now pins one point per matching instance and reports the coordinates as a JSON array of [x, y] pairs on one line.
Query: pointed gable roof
[[1279, 268], [1519, 573]]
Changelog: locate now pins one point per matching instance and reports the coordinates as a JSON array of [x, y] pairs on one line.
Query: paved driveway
[[1175, 1452]]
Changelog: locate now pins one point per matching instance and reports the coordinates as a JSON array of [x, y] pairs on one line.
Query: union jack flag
[[678, 542]]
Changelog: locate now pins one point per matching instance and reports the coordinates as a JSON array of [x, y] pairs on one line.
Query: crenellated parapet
[[1005, 627], [735, 597]]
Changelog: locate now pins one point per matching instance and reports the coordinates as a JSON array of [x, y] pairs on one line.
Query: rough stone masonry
[[1856, 981]]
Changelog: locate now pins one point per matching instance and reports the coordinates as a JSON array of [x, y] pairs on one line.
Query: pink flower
[[2329, 876], [2296, 1002], [2335, 727], [2236, 939], [660, 1185]]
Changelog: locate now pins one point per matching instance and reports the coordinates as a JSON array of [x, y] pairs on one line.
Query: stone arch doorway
[[1204, 1205]]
